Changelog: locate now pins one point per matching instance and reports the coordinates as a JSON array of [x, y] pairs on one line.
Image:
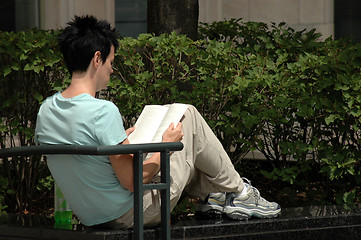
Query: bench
[[138, 150]]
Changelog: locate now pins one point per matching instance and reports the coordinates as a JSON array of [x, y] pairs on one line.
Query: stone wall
[[298, 14], [56, 13]]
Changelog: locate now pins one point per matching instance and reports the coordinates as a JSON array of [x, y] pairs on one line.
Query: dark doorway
[[348, 19], [7, 15]]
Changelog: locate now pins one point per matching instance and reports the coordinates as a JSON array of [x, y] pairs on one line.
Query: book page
[[174, 114], [147, 124]]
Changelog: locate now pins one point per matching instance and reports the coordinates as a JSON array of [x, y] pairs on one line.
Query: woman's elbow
[[129, 185]]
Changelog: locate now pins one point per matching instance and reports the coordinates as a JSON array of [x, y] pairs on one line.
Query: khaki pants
[[202, 167]]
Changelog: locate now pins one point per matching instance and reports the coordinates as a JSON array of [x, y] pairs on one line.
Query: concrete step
[[314, 222]]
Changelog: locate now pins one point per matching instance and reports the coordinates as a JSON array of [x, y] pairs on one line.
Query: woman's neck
[[80, 83]]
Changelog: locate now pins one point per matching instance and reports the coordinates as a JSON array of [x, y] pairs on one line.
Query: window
[[7, 15], [348, 19], [18, 15], [130, 17]]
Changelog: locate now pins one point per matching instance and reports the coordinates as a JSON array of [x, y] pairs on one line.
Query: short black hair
[[82, 38]]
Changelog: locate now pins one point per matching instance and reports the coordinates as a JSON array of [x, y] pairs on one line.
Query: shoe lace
[[257, 195]]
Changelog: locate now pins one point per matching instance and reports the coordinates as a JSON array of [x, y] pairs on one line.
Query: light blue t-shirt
[[89, 183]]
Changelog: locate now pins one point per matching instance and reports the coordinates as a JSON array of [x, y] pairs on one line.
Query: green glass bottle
[[62, 213]]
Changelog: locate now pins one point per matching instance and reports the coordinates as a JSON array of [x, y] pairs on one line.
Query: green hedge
[[172, 68], [305, 104], [30, 70], [283, 92]]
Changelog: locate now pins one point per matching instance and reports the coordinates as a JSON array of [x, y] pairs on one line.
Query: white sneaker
[[249, 205]]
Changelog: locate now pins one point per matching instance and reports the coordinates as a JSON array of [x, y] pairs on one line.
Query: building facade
[[298, 14], [338, 18]]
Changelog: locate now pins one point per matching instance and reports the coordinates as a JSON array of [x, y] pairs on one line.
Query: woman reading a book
[[99, 188]]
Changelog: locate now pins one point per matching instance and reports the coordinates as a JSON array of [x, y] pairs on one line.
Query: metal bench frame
[[138, 150]]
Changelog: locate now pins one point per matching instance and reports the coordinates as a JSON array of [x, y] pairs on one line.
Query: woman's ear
[[97, 59]]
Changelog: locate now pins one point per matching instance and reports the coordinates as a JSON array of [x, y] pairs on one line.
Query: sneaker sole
[[237, 215], [233, 211], [211, 211], [210, 214]]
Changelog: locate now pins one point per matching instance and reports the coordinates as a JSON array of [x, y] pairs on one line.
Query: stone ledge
[[316, 222]]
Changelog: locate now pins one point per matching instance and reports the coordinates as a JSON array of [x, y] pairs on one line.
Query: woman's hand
[[173, 134], [130, 130]]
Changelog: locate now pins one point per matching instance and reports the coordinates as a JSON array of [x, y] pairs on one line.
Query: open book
[[154, 120]]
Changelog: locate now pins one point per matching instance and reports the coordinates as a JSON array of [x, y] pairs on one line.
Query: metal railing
[[138, 150]]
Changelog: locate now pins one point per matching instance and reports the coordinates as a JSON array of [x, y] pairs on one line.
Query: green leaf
[[7, 71], [38, 97], [330, 119]]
